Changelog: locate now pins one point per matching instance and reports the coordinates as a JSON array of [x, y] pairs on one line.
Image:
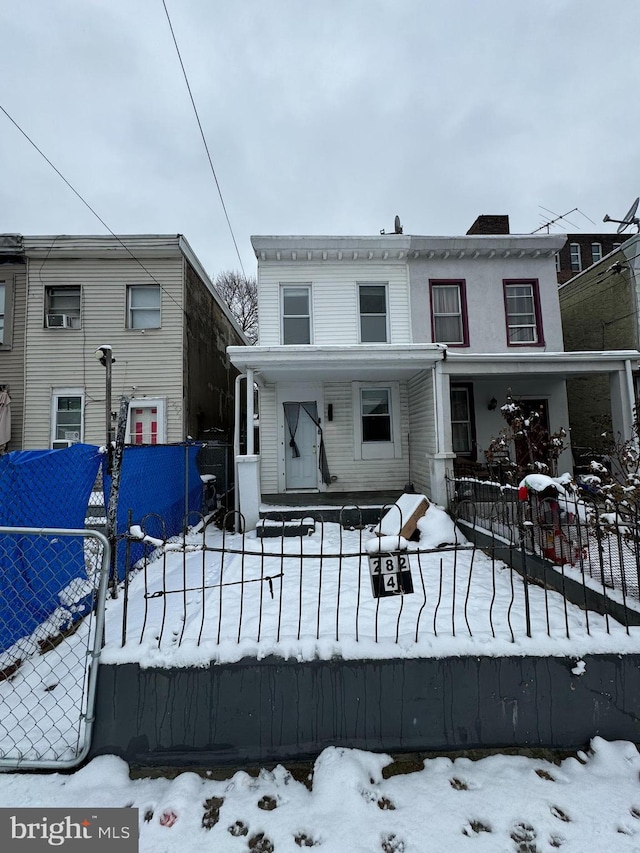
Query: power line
[[88, 206], [206, 147]]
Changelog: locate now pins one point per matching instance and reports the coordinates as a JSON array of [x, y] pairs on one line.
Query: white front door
[[302, 470]]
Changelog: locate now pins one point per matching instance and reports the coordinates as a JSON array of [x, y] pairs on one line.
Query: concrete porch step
[[268, 528]]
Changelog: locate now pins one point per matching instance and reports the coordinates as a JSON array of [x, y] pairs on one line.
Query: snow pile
[[587, 804], [438, 530]]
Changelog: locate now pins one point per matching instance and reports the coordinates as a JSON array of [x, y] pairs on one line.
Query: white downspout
[[250, 412]]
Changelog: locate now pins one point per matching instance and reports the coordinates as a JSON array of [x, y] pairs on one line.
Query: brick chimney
[[490, 225]]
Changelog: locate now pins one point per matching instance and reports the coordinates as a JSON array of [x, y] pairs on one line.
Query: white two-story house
[[382, 360]]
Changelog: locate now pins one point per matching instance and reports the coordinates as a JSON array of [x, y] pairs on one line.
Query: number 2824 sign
[[390, 575]]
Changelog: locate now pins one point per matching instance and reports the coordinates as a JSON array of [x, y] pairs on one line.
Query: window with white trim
[[375, 410], [448, 313], [575, 257], [143, 306], [67, 414], [596, 252], [62, 307], [376, 420], [523, 322], [372, 303], [296, 314]]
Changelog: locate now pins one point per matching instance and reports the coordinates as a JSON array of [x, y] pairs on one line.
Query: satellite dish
[[397, 227], [629, 219]]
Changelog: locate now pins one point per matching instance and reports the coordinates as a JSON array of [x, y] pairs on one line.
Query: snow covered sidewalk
[[589, 804]]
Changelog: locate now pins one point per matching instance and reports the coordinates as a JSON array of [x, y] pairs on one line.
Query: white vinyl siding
[[350, 473], [268, 441], [334, 305], [147, 364], [422, 430], [361, 474]]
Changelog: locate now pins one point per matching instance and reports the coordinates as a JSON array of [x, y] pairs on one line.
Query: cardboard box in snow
[[402, 518]]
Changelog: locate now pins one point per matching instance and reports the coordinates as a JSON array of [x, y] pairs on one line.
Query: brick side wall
[[597, 314], [607, 241], [209, 376]]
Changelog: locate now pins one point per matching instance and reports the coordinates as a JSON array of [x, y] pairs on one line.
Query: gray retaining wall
[[275, 710]]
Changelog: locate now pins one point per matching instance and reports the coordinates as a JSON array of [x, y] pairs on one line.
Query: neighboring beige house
[[145, 296]]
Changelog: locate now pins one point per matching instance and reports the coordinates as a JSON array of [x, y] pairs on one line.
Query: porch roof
[[550, 363], [336, 363]]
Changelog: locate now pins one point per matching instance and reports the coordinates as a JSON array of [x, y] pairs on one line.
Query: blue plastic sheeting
[[155, 483], [41, 488]]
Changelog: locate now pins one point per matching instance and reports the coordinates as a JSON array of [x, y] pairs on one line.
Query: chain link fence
[[53, 585]]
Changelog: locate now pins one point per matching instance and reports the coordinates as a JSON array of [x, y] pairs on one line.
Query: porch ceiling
[[336, 363]]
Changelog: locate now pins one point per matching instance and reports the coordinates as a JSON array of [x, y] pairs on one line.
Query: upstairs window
[[3, 296], [574, 254], [522, 311], [62, 307], [296, 315], [596, 252], [143, 306], [449, 313], [373, 313]]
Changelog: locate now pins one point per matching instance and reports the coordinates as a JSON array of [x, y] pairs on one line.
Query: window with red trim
[[522, 312], [449, 313]]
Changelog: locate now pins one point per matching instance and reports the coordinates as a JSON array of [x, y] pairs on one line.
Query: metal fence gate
[[53, 585]]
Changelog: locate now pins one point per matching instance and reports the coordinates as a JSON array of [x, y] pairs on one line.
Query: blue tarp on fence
[[33, 571], [160, 485]]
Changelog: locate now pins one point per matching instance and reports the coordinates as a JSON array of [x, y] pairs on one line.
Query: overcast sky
[[322, 116]]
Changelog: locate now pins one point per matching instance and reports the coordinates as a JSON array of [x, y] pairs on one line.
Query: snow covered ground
[[245, 596], [587, 804]]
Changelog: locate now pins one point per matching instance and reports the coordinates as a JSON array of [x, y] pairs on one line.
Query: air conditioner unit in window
[[60, 443], [62, 321], [57, 321]]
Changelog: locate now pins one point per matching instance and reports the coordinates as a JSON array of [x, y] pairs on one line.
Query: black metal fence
[[583, 536], [316, 594]]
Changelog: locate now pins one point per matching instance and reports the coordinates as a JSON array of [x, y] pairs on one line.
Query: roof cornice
[[401, 248]]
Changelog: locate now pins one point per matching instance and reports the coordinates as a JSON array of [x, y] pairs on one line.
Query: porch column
[[441, 462], [622, 403]]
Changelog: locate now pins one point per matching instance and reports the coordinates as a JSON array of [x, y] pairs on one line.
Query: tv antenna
[[557, 218], [629, 219], [397, 226]]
